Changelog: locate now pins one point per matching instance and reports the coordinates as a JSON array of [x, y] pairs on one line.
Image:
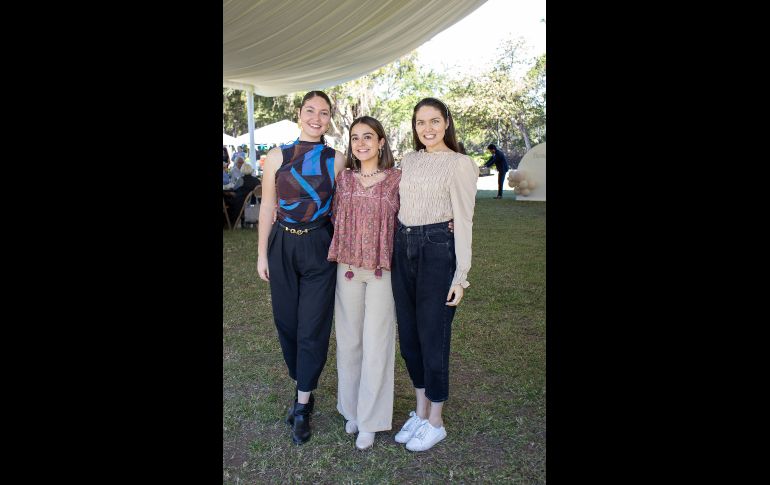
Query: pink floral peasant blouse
[[364, 220]]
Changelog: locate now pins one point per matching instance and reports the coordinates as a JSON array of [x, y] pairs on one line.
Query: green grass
[[495, 416]]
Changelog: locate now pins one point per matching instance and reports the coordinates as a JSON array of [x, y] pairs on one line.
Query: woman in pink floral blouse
[[364, 213]]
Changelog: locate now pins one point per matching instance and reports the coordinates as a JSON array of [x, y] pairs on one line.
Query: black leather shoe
[[300, 431], [290, 415]]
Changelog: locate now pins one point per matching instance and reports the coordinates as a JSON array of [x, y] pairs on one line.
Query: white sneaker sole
[[404, 438], [426, 448]]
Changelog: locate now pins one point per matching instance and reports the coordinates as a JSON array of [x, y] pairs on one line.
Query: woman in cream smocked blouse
[[430, 263]]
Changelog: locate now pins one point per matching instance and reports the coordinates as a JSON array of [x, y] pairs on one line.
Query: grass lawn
[[495, 416]]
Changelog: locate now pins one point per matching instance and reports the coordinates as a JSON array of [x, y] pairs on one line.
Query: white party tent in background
[[228, 140], [275, 47], [274, 134]]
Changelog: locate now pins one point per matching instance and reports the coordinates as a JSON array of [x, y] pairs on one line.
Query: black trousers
[[500, 180], [421, 274], [302, 284]]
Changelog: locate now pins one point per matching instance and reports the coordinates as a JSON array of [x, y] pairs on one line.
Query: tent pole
[[250, 105]]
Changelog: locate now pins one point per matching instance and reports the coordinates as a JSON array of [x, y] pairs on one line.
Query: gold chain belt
[[301, 232]]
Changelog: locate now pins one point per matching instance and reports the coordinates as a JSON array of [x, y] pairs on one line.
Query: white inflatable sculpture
[[528, 181]]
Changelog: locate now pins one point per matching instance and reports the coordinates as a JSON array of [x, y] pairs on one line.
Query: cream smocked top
[[438, 187]]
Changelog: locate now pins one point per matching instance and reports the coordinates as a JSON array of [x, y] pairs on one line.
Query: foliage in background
[[505, 106], [388, 94], [402, 85], [266, 110]]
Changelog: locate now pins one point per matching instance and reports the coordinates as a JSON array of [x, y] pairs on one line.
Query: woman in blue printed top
[[298, 182]]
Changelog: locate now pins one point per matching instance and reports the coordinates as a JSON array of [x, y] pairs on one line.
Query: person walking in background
[[365, 206], [501, 165], [430, 264], [299, 182]]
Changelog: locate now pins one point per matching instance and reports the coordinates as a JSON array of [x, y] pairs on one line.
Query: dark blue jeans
[[500, 180], [421, 275]]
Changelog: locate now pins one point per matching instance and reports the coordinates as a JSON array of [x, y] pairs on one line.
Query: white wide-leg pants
[[365, 324]]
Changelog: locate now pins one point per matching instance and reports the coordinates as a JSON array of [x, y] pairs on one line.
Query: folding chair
[[257, 192], [227, 217]]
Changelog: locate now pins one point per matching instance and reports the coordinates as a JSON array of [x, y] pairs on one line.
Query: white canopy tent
[[274, 47], [228, 140], [273, 134], [277, 47]]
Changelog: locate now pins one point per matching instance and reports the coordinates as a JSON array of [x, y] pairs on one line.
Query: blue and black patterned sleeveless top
[[305, 181]]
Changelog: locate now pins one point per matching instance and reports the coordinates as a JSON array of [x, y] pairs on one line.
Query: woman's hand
[[457, 292], [262, 268]]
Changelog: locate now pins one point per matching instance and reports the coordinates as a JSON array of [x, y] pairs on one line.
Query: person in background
[[240, 152], [364, 214], [225, 155], [501, 165], [236, 175], [225, 175], [247, 183], [430, 263], [260, 150], [299, 182]]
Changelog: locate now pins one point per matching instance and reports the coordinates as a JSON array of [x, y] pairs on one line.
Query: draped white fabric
[[277, 47]]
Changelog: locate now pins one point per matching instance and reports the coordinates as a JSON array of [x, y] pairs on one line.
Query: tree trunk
[[524, 133]]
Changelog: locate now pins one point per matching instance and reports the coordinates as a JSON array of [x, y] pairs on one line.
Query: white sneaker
[[425, 437], [351, 427], [409, 428], [365, 440]]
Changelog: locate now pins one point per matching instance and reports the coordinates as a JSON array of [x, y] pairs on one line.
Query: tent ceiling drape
[[277, 47]]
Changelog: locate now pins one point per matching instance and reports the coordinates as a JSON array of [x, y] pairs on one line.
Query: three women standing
[[429, 265]]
